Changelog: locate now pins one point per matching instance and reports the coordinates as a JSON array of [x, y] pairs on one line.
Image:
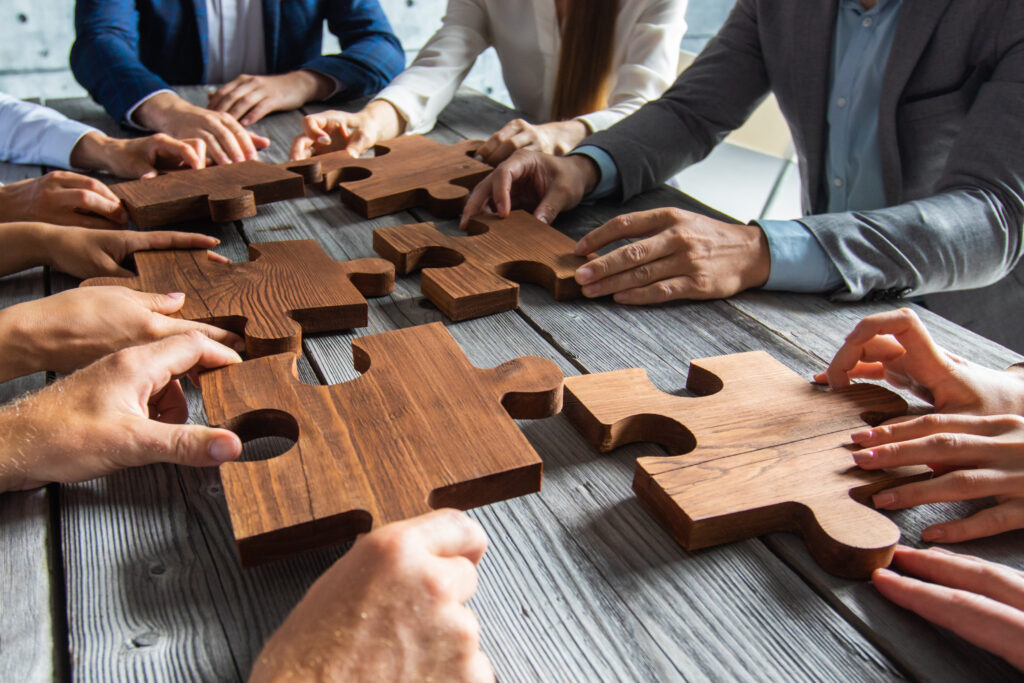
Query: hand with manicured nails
[[124, 410], [62, 198], [249, 98], [557, 137], [332, 131], [895, 346], [982, 602], [973, 457], [69, 330], [392, 609]]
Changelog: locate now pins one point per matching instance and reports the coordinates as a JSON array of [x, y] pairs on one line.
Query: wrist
[[313, 85], [19, 356], [1015, 373], [19, 432], [586, 170], [390, 122], [157, 110], [567, 135], [91, 152], [759, 262]]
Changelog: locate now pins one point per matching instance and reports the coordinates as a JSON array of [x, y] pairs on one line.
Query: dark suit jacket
[[127, 49], [951, 124]]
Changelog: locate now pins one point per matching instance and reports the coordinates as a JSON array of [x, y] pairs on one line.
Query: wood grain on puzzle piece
[[219, 193], [468, 277], [760, 450], [407, 172], [421, 429], [286, 288]]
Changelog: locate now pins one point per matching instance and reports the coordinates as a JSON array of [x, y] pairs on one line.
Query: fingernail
[[324, 140], [883, 500], [888, 573], [933, 534], [246, 121], [223, 449], [937, 549], [862, 436], [584, 274], [177, 296], [591, 291], [863, 457]]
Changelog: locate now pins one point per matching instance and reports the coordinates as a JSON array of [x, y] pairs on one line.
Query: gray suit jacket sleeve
[[966, 235]]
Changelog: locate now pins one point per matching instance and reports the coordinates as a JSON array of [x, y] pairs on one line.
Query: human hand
[[973, 457], [98, 253], [62, 198], [249, 98], [71, 329], [225, 138], [683, 255], [137, 157], [124, 410], [557, 137], [544, 184], [982, 602], [895, 346], [393, 608], [331, 131]]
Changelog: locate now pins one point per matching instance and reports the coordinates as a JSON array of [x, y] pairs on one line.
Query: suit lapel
[[202, 29], [271, 33], [917, 22]]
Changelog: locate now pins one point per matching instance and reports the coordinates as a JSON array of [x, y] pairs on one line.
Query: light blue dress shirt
[[853, 163], [32, 134]]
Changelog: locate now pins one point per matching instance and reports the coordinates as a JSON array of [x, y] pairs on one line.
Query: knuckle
[[967, 481], [388, 542], [636, 253], [465, 629], [642, 274], [663, 290], [946, 441]]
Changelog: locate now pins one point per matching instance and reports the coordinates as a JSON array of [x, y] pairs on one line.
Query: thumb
[[190, 445], [162, 303]]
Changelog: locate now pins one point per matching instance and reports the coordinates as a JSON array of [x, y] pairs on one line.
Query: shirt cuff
[[798, 263], [334, 79], [130, 116], [608, 183], [61, 142]]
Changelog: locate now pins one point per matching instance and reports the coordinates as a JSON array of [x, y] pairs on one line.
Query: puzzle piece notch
[[422, 428], [749, 465], [468, 277], [219, 193], [286, 289], [407, 172]]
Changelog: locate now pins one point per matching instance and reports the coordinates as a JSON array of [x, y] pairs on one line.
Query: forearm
[[19, 433], [19, 353], [25, 246]]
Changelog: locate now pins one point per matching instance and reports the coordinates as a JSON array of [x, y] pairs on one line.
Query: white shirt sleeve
[[650, 66], [33, 134], [425, 88]]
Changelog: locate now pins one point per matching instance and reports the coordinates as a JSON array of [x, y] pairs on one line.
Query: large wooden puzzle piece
[[219, 193], [407, 172], [286, 288], [421, 429], [760, 450], [468, 277]]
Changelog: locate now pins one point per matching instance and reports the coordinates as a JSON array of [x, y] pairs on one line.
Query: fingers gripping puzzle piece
[[468, 277], [287, 288], [760, 450], [407, 172], [218, 193], [421, 429]]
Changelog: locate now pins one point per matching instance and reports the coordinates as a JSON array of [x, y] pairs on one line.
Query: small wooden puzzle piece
[[219, 193], [286, 288], [468, 277], [760, 450], [407, 172], [421, 429]]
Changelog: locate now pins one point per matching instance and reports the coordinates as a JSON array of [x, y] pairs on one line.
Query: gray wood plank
[[31, 625]]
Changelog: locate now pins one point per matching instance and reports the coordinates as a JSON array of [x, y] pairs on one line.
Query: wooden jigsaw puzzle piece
[[422, 428], [286, 289], [219, 193], [468, 277], [760, 450]]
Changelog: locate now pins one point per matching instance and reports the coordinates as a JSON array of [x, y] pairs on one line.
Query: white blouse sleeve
[[425, 88], [33, 134], [650, 64]]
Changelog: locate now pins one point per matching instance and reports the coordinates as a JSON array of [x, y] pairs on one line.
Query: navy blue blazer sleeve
[[371, 53], [105, 56]]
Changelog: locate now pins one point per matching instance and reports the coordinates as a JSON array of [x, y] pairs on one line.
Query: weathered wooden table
[[134, 576]]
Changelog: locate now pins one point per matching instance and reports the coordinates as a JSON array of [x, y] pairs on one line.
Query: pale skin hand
[[895, 346], [558, 137], [331, 131], [86, 253], [392, 609], [62, 198], [249, 98], [137, 157], [225, 139], [69, 330], [980, 601], [125, 410], [973, 457]]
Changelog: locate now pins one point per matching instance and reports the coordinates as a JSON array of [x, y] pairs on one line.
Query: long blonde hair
[[585, 64]]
